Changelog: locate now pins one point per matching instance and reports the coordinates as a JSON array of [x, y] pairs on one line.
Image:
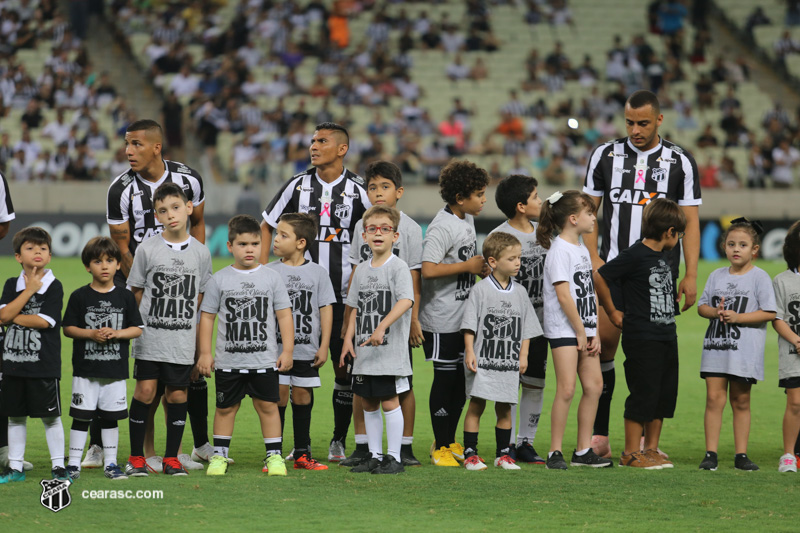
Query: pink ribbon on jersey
[[326, 209], [639, 175]]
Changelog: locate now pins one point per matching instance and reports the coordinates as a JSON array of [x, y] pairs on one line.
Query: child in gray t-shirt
[[381, 296]]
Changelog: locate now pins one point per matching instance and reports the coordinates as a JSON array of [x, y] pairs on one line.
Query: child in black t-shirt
[[649, 339], [101, 319], [31, 308]]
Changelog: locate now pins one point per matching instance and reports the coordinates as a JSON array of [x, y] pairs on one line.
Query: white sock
[[361, 438], [374, 423], [110, 441], [582, 452], [77, 441], [54, 435], [530, 409], [17, 434], [394, 432], [407, 441], [513, 420]]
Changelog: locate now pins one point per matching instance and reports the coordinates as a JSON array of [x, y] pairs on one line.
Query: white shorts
[[98, 397]]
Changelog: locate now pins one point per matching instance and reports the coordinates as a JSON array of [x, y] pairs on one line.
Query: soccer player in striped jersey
[[339, 198], [628, 173]]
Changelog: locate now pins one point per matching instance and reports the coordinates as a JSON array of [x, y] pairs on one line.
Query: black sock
[[458, 398], [502, 438], [80, 425], [282, 414], [3, 431], [198, 411], [797, 445], [176, 422], [604, 405], [362, 447], [137, 417], [342, 408], [95, 435], [439, 404], [301, 421], [470, 443]]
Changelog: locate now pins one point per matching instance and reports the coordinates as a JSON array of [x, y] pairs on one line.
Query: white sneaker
[[506, 463], [788, 463], [94, 457], [475, 463], [26, 466], [154, 464], [187, 462], [203, 453], [336, 452]]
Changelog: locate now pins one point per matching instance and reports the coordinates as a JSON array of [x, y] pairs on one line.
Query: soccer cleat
[[512, 451], [407, 456], [173, 467], [306, 462], [26, 466], [556, 461], [601, 446], [709, 461], [474, 463], [367, 466], [290, 457], [658, 458], [458, 452], [203, 453], [112, 471], [336, 452], [94, 457], [74, 472], [136, 467], [60, 473], [274, 465], [590, 459], [188, 464], [788, 463], [9, 476], [527, 454], [638, 460], [742, 462], [217, 466], [443, 457], [506, 463], [356, 458], [389, 465], [155, 464]]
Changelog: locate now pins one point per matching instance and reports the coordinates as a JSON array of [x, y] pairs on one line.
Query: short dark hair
[[332, 126], [303, 225], [32, 234], [169, 189], [145, 125], [381, 210], [513, 190], [100, 247], [791, 247], [642, 98], [461, 179], [242, 224], [384, 169], [659, 215], [496, 242]]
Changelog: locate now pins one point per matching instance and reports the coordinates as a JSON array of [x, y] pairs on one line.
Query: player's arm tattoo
[[121, 234]]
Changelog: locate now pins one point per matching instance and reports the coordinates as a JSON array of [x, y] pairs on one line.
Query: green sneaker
[[276, 465], [217, 466], [11, 475]]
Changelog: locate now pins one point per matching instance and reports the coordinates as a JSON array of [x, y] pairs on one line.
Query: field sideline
[[442, 499]]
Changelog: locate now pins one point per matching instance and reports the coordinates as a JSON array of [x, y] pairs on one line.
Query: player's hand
[[616, 318], [347, 349], [320, 358], [109, 333], [415, 337], [471, 362], [98, 336], [523, 365], [376, 339], [797, 343], [285, 362], [487, 270], [475, 264], [582, 341], [688, 288], [195, 375], [593, 347], [34, 282], [205, 365], [721, 310]]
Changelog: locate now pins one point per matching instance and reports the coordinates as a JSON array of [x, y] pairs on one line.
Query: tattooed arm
[[121, 234]]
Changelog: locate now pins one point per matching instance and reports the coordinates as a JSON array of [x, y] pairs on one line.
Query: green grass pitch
[[441, 499]]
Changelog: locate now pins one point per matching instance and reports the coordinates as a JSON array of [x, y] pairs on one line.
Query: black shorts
[[729, 377], [233, 386], [31, 397], [411, 360], [379, 386], [537, 363], [302, 374], [651, 372], [789, 383], [562, 341], [170, 374], [446, 350]]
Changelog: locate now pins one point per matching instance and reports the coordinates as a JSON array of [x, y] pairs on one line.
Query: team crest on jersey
[[55, 494], [342, 211], [677, 149], [659, 174], [182, 169], [358, 179], [667, 160]]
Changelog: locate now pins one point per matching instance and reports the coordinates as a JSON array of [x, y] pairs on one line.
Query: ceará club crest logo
[[55, 494]]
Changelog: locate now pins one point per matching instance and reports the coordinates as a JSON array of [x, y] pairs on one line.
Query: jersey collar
[[332, 184], [47, 280], [499, 287], [648, 152]]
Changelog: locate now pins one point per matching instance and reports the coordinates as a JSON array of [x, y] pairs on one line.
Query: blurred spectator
[[755, 168], [705, 92], [792, 12], [118, 164], [95, 140], [82, 166], [556, 172], [785, 159], [32, 117], [708, 174], [727, 176], [756, 18], [6, 151], [670, 16], [452, 40], [686, 121], [456, 70], [172, 122], [28, 145], [184, 83], [452, 132], [20, 169], [479, 71], [433, 158], [784, 46], [514, 106], [707, 138], [560, 14], [730, 104]]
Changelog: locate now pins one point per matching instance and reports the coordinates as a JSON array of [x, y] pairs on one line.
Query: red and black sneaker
[[136, 467], [173, 467], [305, 462]]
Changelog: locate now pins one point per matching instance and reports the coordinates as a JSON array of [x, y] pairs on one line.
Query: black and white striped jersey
[[339, 205], [130, 199], [6, 207], [628, 179]]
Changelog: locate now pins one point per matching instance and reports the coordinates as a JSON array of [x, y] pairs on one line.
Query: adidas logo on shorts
[[441, 412]]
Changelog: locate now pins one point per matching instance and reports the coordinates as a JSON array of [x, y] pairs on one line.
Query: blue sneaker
[[11, 475], [74, 472], [112, 471], [60, 473]]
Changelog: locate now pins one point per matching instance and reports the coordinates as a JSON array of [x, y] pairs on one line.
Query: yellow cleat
[[443, 457], [458, 452]]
